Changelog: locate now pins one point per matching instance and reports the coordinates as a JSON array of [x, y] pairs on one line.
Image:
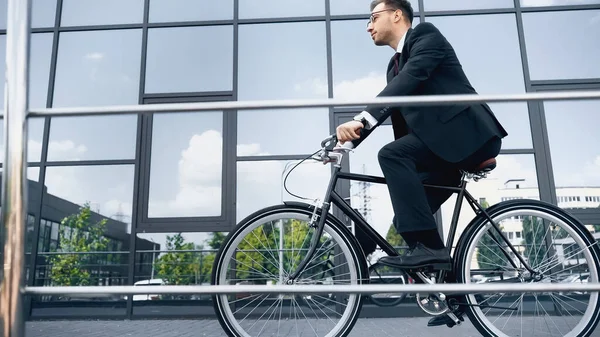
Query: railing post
[[14, 181]]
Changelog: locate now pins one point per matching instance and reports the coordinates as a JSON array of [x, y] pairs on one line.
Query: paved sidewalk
[[384, 327], [196, 328]]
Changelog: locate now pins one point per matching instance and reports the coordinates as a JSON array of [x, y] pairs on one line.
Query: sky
[[282, 61]]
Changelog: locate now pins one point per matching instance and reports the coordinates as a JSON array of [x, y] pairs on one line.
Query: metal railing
[[14, 185]]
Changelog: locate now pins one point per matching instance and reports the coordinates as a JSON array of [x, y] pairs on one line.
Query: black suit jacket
[[428, 65]]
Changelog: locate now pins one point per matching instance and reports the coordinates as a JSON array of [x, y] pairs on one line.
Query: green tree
[[181, 265], [257, 257], [207, 259], [395, 239], [490, 255], [216, 240], [535, 232], [80, 236]]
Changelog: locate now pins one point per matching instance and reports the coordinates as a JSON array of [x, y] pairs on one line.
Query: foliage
[[395, 239], [490, 255], [216, 240], [257, 259], [181, 265], [77, 235], [535, 233]]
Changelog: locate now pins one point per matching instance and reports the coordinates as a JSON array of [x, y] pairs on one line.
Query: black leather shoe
[[420, 258], [445, 319]]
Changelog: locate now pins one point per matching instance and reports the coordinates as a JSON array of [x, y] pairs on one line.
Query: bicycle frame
[[331, 196]]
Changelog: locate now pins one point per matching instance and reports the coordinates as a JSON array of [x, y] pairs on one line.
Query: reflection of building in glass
[[107, 267], [493, 190], [200, 172]]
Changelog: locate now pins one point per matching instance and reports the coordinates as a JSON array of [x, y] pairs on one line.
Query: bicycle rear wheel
[[555, 245], [264, 249]]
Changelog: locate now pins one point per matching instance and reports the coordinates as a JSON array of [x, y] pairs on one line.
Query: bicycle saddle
[[485, 166]]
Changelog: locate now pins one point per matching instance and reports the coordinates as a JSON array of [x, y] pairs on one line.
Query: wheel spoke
[[551, 243], [253, 261]]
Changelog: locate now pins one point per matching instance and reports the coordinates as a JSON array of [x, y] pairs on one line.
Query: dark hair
[[403, 5]]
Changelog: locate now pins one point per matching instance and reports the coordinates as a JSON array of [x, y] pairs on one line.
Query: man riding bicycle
[[432, 143]]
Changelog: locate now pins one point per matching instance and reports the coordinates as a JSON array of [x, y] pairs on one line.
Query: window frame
[[221, 223], [544, 159]]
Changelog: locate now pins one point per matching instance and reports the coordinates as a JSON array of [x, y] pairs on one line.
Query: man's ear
[[398, 15]]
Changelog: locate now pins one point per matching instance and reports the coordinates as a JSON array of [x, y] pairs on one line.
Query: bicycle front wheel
[[265, 248], [555, 245]]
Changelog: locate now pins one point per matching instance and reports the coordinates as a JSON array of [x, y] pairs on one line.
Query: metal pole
[[447, 288], [419, 100], [14, 188]]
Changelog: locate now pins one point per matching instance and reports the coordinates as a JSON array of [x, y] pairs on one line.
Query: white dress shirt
[[371, 121]]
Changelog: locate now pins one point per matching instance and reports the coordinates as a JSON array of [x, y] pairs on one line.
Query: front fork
[[324, 210], [313, 242]]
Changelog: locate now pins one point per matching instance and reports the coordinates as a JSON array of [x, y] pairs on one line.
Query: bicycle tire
[[473, 228], [305, 210]]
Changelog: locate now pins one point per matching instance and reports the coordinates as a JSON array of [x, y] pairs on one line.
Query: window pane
[[573, 135], [3, 72], [85, 138], [282, 124], [35, 132], [265, 55], [283, 60], [536, 3], [514, 177], [492, 52], [265, 178], [174, 259], [442, 5], [43, 13], [186, 165], [176, 65], [104, 12], [359, 67], [107, 190], [273, 8], [39, 69], [190, 10], [33, 173], [341, 7], [98, 68], [579, 53], [35, 137]]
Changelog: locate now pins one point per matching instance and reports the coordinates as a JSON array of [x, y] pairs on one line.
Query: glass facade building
[[165, 187]]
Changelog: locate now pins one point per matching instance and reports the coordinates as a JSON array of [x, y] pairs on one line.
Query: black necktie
[[396, 65]]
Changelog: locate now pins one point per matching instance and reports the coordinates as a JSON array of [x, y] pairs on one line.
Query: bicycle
[[324, 271], [316, 224]]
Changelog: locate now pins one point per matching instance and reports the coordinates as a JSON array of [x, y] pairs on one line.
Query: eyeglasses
[[373, 18]]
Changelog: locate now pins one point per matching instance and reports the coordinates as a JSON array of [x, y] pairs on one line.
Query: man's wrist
[[367, 120]]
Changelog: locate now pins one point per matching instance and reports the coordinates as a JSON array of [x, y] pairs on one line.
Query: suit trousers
[[407, 164]]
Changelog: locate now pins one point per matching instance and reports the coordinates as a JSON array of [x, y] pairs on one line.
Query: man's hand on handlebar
[[348, 131]]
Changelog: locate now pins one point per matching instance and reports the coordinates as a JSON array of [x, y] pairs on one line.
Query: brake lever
[[336, 154]]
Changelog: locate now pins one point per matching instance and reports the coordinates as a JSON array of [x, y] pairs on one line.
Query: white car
[[148, 297]]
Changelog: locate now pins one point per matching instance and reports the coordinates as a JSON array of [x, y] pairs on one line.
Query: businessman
[[432, 143]]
